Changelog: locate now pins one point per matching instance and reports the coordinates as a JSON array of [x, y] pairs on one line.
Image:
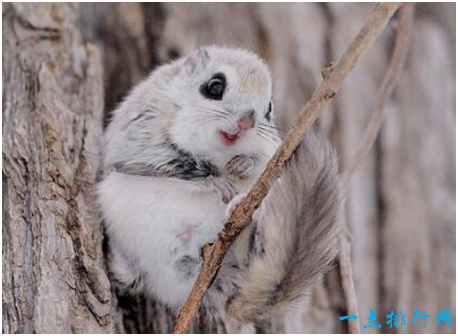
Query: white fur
[[145, 216]]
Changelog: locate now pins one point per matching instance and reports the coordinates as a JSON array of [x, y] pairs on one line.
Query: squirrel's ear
[[197, 61]]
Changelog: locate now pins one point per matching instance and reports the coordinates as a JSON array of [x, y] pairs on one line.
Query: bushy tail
[[295, 238]]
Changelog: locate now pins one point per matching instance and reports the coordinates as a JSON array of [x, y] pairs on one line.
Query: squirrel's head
[[224, 103]]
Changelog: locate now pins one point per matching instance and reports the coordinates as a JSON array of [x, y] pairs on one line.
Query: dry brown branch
[[241, 217], [397, 61], [346, 277], [386, 88]]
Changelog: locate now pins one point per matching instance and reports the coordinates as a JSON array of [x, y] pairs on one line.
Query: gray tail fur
[[296, 236]]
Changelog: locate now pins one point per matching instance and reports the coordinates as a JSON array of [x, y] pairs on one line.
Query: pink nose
[[247, 121]]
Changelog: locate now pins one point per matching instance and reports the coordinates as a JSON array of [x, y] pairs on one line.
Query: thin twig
[[389, 82], [346, 276], [241, 217], [395, 66]]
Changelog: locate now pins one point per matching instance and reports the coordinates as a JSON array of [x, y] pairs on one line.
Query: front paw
[[233, 204], [240, 166], [224, 186]]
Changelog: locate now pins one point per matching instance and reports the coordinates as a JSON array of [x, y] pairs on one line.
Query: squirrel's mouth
[[229, 138]]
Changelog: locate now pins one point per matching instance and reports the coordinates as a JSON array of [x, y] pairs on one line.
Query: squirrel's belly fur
[[146, 218]]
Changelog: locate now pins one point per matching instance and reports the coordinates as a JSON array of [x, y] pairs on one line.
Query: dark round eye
[[269, 111], [214, 88]]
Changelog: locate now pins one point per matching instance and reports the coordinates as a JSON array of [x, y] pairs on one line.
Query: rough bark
[[54, 278], [401, 202]]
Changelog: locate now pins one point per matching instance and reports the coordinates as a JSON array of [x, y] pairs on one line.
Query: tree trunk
[[401, 202], [54, 277]]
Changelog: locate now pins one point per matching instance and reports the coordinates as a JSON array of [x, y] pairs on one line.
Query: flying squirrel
[[180, 152]]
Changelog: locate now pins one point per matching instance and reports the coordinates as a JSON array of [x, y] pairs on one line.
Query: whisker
[[268, 137], [224, 112], [268, 140], [201, 118], [203, 112], [211, 114], [270, 131], [207, 119], [273, 127], [221, 113]]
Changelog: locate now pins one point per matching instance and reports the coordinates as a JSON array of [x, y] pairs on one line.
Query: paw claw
[[240, 166], [233, 204]]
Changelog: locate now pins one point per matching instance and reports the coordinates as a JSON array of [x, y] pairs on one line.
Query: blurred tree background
[[65, 67]]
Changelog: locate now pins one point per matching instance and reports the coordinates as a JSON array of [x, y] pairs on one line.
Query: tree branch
[[397, 61], [243, 213], [389, 82]]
